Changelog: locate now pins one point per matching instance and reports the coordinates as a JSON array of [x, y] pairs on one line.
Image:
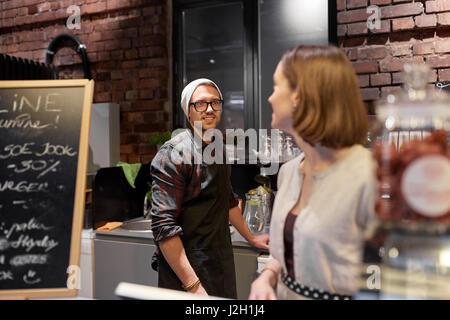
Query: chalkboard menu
[[44, 133]]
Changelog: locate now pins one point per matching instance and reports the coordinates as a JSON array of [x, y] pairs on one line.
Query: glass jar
[[410, 249], [413, 153]]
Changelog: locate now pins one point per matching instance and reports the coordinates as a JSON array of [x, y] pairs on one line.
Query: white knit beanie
[[189, 90]]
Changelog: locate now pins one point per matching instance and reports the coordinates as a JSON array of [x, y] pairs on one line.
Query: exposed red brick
[[425, 21], [380, 2], [352, 16], [10, 13], [131, 95], [402, 10], [444, 75], [438, 61], [380, 79], [116, 74], [352, 53], [149, 83], [153, 116], [93, 8], [403, 49], [145, 148], [154, 62], [402, 24], [388, 90], [146, 93], [118, 4], [127, 148], [385, 27], [113, 40], [443, 19], [397, 77], [148, 73], [147, 158], [133, 117], [396, 64], [117, 54], [143, 105], [352, 4], [422, 48], [103, 97], [150, 127], [442, 46], [357, 28], [44, 6], [433, 76], [437, 5], [365, 66], [340, 5], [363, 80], [341, 30], [32, 9], [12, 48], [134, 158], [372, 53], [370, 93]]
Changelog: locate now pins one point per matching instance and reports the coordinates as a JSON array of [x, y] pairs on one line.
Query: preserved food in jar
[[413, 154]]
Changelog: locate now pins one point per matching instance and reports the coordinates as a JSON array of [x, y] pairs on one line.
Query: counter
[[237, 240], [125, 256]]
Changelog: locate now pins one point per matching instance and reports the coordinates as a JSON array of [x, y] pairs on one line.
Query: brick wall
[[409, 31], [127, 45]]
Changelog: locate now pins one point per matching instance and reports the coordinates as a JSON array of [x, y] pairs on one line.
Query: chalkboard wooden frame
[[79, 202]]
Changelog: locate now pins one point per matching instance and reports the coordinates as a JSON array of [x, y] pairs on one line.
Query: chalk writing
[[29, 243], [35, 165], [6, 275], [58, 150], [31, 277], [25, 259], [32, 224], [23, 186], [23, 121], [22, 102], [3, 244], [12, 150]]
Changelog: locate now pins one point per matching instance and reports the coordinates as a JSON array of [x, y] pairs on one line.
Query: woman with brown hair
[[325, 199]]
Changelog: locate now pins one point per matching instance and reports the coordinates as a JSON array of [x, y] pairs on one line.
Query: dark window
[[214, 48], [237, 44]]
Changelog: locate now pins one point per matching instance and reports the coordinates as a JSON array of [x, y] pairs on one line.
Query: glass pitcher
[[256, 211]]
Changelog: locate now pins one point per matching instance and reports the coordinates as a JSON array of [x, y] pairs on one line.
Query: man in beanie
[[193, 203]]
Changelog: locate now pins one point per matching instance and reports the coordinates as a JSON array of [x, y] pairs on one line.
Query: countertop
[[237, 240]]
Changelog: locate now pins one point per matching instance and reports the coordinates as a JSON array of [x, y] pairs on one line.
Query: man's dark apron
[[206, 237]]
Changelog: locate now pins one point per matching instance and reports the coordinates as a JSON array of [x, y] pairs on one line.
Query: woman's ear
[[295, 98]]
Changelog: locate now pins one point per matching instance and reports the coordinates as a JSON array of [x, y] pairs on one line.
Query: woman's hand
[[262, 288]]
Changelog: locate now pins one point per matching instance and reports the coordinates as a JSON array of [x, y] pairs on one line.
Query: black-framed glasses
[[202, 106]]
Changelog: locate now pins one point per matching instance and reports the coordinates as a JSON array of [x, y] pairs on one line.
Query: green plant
[[160, 137], [149, 194]]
